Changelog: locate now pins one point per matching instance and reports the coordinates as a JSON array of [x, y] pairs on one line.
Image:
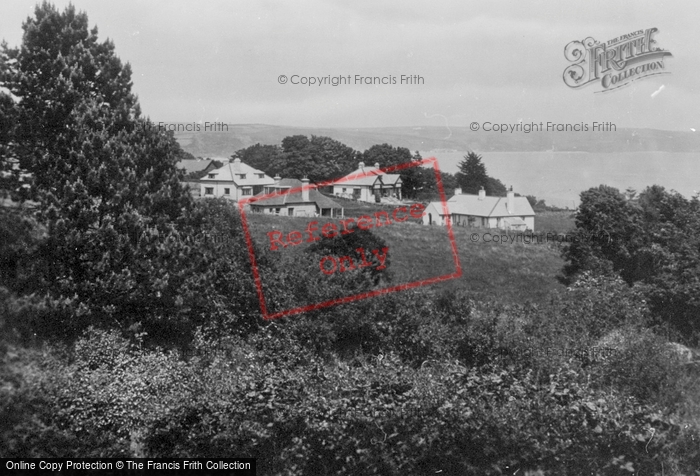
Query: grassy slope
[[561, 222], [508, 273]]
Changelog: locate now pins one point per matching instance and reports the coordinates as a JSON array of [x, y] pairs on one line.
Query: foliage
[[269, 398], [472, 174], [350, 244], [654, 241], [472, 177], [424, 184], [194, 176], [259, 156], [539, 205], [414, 179], [115, 240], [319, 159]]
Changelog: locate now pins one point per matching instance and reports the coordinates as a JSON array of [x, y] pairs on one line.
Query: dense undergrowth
[[403, 384]]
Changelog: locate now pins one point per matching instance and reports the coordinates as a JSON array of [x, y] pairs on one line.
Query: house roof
[[487, 207], [191, 166], [231, 173], [295, 198], [368, 176], [514, 221]]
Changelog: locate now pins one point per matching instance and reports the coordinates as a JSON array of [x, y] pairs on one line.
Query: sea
[[560, 177]]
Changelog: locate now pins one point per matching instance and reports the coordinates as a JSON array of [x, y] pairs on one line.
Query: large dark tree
[[386, 155], [113, 211], [653, 241], [350, 244], [472, 174], [495, 188], [60, 64], [608, 230], [319, 158]]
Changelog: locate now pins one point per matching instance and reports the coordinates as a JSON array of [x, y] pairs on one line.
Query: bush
[[267, 397]]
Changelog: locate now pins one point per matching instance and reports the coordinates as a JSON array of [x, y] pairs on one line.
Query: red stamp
[[311, 232]]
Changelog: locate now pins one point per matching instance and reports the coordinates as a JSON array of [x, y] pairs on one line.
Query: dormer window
[[241, 176], [212, 175], [261, 175]]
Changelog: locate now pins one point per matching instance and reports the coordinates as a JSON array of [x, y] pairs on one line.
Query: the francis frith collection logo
[[615, 63]]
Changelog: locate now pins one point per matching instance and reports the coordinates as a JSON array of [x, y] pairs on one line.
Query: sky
[[479, 61]]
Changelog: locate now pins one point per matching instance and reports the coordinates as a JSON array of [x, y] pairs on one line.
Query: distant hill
[[223, 144]]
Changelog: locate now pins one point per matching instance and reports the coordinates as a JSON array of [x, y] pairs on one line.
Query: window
[[241, 176], [247, 191], [212, 175], [345, 190], [209, 191], [227, 191], [277, 210], [261, 175], [290, 212]]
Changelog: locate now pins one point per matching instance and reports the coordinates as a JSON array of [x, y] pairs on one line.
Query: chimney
[[376, 165], [510, 201], [237, 164], [305, 189], [458, 191], [482, 193], [362, 166]]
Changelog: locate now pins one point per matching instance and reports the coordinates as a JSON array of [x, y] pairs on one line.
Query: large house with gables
[[235, 180], [368, 184]]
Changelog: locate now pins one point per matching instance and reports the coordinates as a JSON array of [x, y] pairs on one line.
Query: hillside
[[223, 144], [508, 273]]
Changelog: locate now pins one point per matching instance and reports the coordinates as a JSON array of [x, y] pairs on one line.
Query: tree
[[653, 241], [608, 228], [59, 65], [259, 156], [472, 174], [319, 159], [387, 155], [193, 176], [415, 182], [117, 219], [669, 261], [495, 188], [536, 204], [349, 245]]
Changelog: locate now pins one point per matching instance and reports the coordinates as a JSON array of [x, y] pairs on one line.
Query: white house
[[234, 181], [480, 211], [300, 199], [367, 183]]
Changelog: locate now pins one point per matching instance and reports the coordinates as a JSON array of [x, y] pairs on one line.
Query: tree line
[[323, 159]]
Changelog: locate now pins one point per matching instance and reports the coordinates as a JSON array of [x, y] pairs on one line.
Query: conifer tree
[[472, 174], [109, 193]]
